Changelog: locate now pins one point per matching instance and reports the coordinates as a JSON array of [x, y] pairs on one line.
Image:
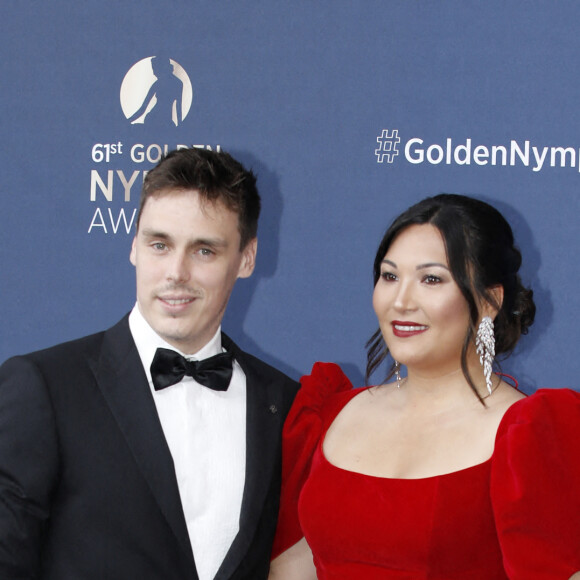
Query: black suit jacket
[[87, 483]]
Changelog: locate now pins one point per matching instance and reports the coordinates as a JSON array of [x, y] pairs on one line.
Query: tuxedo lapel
[[262, 453], [122, 380]]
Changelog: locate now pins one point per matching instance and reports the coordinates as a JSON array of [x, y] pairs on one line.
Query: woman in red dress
[[450, 472]]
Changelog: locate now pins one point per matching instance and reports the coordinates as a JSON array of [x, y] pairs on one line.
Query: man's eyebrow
[[150, 233], [213, 242]]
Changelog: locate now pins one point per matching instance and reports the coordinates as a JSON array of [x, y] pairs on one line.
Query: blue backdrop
[[348, 112]]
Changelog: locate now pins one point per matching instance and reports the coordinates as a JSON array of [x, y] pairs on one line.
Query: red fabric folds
[[301, 433], [535, 486]]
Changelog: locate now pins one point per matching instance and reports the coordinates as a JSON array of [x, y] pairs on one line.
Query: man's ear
[[133, 254], [491, 308], [248, 262]]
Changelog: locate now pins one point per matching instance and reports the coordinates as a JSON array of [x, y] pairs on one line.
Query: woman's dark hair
[[480, 249]]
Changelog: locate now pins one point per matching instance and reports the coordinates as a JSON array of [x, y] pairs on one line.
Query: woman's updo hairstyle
[[480, 249]]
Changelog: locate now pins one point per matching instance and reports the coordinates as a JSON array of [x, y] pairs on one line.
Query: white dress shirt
[[206, 434]]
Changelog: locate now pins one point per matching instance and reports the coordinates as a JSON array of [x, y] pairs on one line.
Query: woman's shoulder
[[545, 406], [326, 391], [535, 476], [325, 385], [544, 423]]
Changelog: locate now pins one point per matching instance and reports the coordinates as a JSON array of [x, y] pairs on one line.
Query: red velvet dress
[[517, 515]]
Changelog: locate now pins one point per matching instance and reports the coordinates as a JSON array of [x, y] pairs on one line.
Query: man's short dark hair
[[216, 176]]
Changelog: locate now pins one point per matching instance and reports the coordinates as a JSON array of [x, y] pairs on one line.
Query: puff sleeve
[[302, 431], [535, 486]]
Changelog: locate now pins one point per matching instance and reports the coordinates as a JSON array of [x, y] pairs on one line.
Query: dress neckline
[[355, 393]]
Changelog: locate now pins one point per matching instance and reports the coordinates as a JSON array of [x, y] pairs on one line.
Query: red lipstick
[[405, 328]]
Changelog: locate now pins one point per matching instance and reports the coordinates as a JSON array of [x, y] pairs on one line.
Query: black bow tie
[[169, 367]]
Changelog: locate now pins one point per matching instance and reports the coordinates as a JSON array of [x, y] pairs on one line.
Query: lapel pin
[[273, 409]]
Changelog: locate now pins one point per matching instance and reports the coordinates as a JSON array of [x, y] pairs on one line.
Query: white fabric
[[206, 434]]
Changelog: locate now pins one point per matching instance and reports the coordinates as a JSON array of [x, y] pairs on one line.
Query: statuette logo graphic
[[156, 91]]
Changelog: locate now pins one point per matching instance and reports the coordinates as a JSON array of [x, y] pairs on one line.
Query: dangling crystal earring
[[398, 373], [485, 348]]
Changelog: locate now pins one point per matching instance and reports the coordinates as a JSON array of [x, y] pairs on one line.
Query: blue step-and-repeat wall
[[347, 111]]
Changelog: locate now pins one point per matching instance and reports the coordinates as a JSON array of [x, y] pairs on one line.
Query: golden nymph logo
[[156, 91]]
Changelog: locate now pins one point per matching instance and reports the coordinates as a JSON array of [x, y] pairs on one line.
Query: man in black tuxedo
[[122, 459]]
